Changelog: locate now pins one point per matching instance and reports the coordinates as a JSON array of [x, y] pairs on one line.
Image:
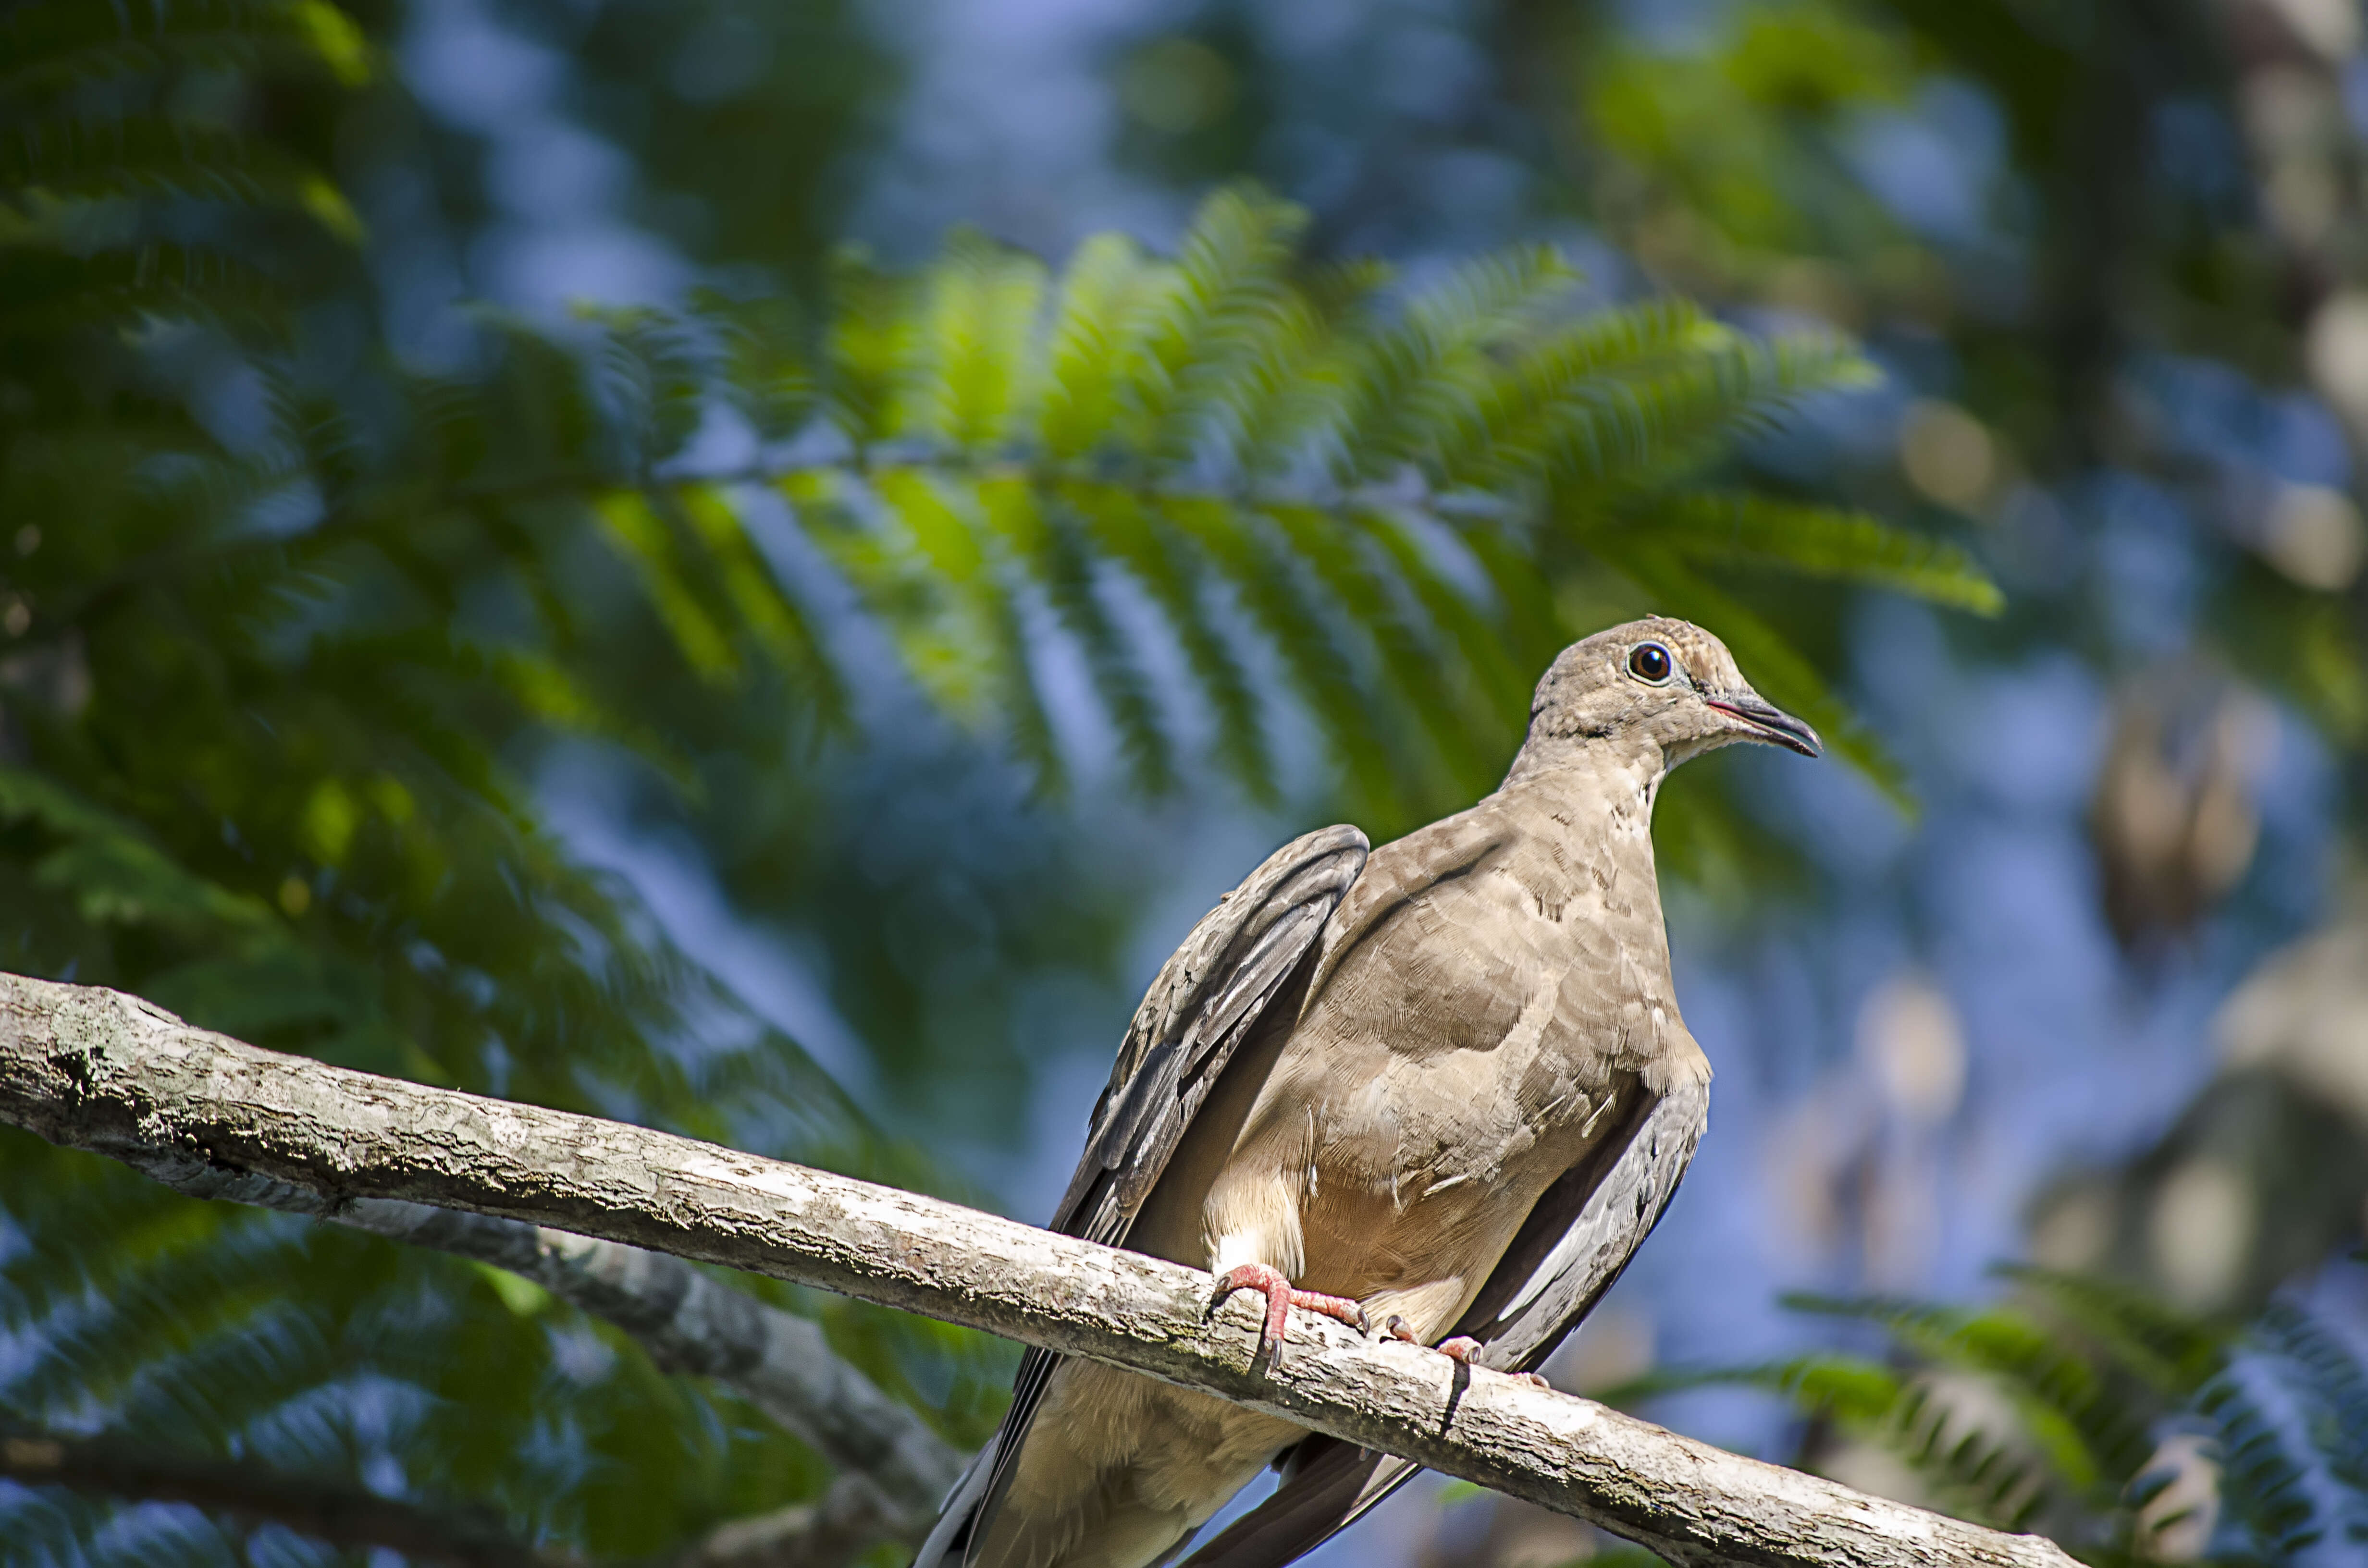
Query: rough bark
[[96, 1069]]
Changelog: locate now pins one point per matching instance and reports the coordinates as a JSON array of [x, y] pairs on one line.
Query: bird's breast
[[1418, 1180], [1468, 1040]]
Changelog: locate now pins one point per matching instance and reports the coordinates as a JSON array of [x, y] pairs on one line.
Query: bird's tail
[[949, 1538], [1327, 1485]]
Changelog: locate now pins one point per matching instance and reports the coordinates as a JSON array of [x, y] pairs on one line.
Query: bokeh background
[[341, 715]]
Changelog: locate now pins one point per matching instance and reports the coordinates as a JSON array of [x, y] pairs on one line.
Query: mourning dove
[[1443, 1090]]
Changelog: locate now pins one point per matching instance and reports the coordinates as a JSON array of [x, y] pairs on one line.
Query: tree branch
[[688, 1323], [334, 1511], [830, 1529], [96, 1069]]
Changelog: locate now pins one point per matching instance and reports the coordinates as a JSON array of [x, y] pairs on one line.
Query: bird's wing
[[1207, 999], [1201, 1007], [1574, 1243]]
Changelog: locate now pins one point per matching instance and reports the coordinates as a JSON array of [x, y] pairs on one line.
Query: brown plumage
[[1447, 1085]]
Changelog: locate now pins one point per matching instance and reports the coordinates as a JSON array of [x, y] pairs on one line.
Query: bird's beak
[[1769, 722]]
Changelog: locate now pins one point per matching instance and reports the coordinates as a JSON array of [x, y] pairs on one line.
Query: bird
[[1438, 1090]]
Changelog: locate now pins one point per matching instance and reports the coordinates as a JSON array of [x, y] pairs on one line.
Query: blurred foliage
[[2045, 216], [304, 630], [1373, 490], [205, 1327], [2127, 1430], [255, 748], [783, 86], [301, 637], [2101, 249]]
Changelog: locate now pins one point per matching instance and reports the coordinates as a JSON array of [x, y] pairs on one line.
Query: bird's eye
[[1650, 662]]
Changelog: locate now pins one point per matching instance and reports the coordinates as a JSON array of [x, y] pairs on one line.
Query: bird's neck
[[1614, 770], [1590, 807], [1596, 788]]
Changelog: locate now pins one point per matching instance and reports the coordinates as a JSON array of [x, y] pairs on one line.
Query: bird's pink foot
[[1280, 1297], [1460, 1350], [1536, 1380]]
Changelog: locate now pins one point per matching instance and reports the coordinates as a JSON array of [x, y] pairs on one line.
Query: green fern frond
[[1818, 541], [2069, 1410], [1138, 540], [1974, 1471], [1500, 438], [1479, 648], [653, 371], [869, 348], [1063, 568], [977, 327], [2096, 1383], [947, 549], [115, 874], [1254, 410], [2265, 1483], [642, 536], [546, 689], [47, 295], [152, 157], [765, 373], [2290, 1413], [781, 627], [1222, 304], [1357, 578], [1659, 423], [1103, 297], [1267, 584], [1417, 377], [2173, 1351], [48, 46], [262, 777]]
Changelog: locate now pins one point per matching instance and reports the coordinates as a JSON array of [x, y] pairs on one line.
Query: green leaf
[[49, 45], [871, 344], [975, 333], [1818, 541], [115, 874], [1414, 380], [643, 538], [759, 600], [1218, 310], [1153, 552], [1099, 309], [152, 157]]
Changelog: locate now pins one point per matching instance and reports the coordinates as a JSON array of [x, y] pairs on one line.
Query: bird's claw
[[1460, 1350], [1280, 1297], [1536, 1380]]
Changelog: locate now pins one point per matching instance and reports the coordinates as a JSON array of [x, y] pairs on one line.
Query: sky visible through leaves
[[674, 632]]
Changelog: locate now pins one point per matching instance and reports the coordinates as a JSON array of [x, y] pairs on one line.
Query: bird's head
[[1662, 689]]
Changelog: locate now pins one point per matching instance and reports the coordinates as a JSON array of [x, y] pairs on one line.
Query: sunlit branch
[[96, 1069]]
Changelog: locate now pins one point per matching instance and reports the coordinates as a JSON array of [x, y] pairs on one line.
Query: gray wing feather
[[949, 1537], [1573, 1244], [1204, 1002], [1560, 1263]]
